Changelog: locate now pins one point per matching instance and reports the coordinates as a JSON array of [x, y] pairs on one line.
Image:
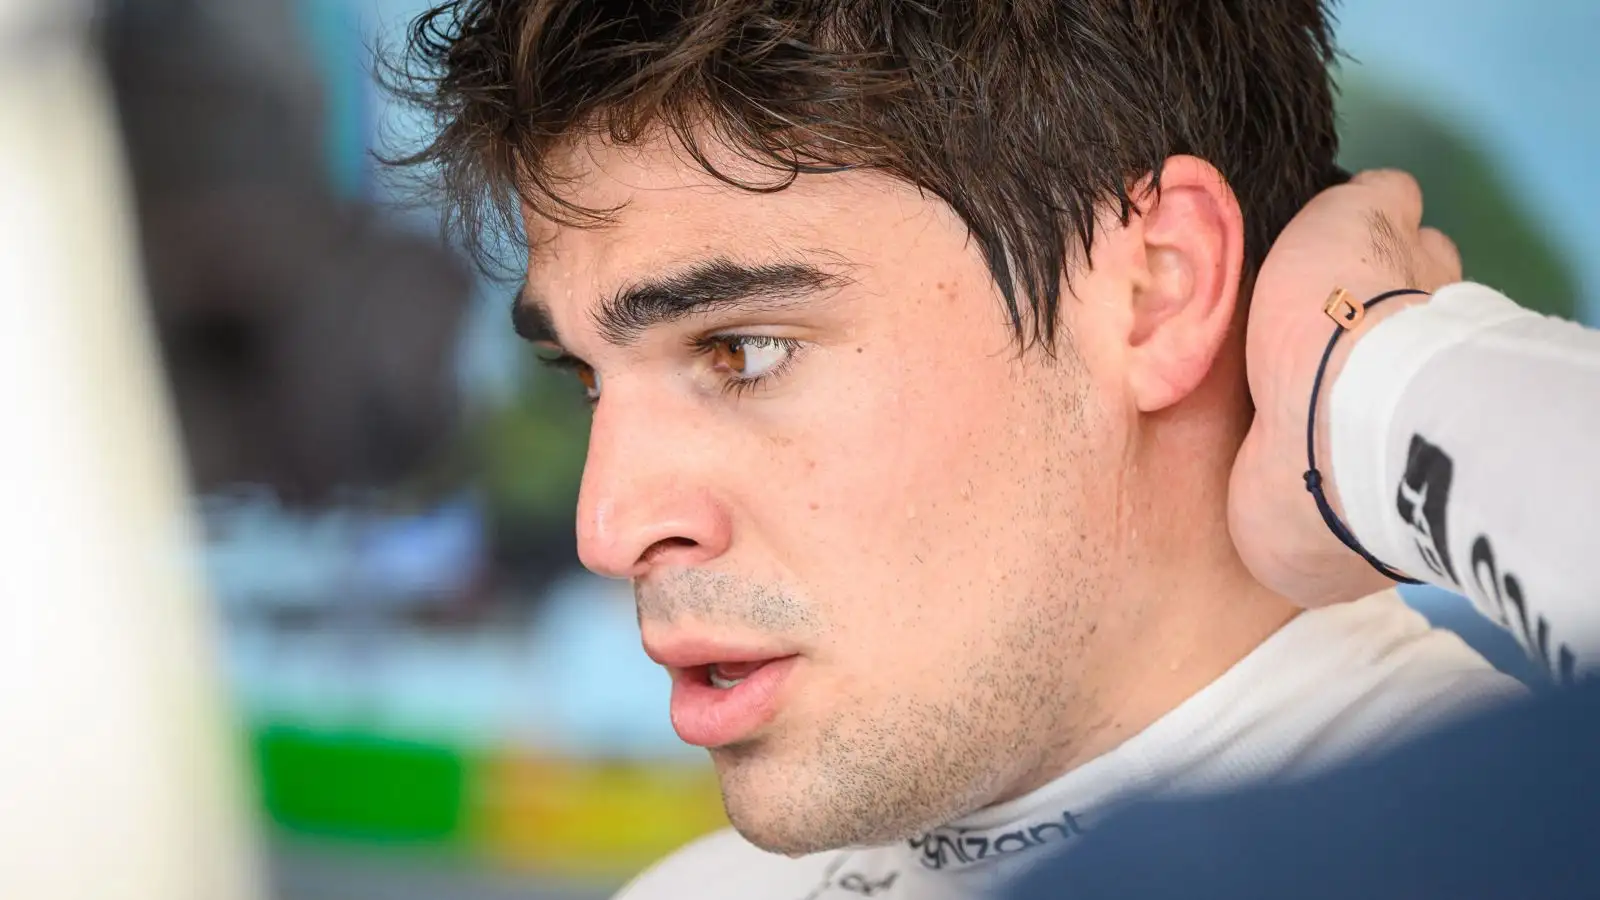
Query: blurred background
[[432, 698]]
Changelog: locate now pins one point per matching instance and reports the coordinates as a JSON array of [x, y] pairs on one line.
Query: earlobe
[[1183, 305]]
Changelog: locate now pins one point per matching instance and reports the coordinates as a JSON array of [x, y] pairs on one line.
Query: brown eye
[[749, 358], [590, 381], [557, 358], [728, 354]]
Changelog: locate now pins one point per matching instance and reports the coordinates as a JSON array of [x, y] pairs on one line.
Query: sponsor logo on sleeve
[[1422, 502], [1532, 629], [1424, 494]]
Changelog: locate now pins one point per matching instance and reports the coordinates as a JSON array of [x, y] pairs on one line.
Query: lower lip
[[708, 716]]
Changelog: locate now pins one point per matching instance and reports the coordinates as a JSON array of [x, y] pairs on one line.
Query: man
[[915, 403]]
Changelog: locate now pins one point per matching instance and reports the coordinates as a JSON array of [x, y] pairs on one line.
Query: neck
[[1187, 613], [1187, 608]]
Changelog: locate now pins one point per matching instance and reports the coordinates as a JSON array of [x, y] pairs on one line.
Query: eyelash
[[704, 347], [738, 387]]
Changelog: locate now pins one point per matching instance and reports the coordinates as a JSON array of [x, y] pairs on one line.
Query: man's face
[[816, 446]]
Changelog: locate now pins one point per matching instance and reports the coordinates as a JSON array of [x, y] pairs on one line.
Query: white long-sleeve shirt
[[1465, 440]]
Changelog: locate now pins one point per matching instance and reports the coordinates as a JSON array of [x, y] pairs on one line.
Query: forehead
[[670, 210]]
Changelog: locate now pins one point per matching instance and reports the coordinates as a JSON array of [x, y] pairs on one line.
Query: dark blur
[[307, 340], [438, 702]]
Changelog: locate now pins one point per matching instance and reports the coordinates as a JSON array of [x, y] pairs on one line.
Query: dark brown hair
[[1025, 116]]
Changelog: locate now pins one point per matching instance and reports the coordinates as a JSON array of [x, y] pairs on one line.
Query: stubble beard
[[921, 764]]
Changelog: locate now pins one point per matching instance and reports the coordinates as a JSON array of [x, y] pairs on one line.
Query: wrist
[[1323, 437]]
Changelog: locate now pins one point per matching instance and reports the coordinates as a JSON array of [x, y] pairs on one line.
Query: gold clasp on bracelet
[[1343, 309]]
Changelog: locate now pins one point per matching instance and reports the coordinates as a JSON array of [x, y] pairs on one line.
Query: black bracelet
[[1347, 314]]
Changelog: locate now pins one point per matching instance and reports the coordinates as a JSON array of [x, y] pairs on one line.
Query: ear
[[1185, 294]]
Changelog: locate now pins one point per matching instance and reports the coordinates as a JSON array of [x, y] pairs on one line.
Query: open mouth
[[716, 704], [724, 676]]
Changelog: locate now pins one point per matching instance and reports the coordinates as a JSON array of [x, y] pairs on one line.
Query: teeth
[[717, 681]]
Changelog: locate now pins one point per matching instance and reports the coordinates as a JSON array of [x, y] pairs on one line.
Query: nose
[[647, 499]]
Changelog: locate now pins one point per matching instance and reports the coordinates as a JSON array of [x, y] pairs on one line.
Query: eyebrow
[[717, 285]]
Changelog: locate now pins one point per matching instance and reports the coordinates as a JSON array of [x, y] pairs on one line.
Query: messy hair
[[1027, 117]]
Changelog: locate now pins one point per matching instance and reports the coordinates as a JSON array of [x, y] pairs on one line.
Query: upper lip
[[687, 652]]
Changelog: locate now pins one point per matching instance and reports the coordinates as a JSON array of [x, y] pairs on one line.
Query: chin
[[776, 806], [794, 815], [766, 826], [782, 844], [790, 797]]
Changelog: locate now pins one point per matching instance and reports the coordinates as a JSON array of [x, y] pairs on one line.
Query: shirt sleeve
[[1465, 440]]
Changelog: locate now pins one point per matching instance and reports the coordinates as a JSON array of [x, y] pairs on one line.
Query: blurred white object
[[118, 779], [25, 19]]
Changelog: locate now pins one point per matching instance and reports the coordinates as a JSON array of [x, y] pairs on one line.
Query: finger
[[1443, 254], [1399, 195]]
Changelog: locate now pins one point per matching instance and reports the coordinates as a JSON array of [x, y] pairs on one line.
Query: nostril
[[665, 547]]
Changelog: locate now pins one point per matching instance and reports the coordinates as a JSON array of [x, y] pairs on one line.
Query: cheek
[[916, 501], [892, 447]]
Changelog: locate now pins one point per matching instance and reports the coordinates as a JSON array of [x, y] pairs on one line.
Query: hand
[[1366, 237]]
